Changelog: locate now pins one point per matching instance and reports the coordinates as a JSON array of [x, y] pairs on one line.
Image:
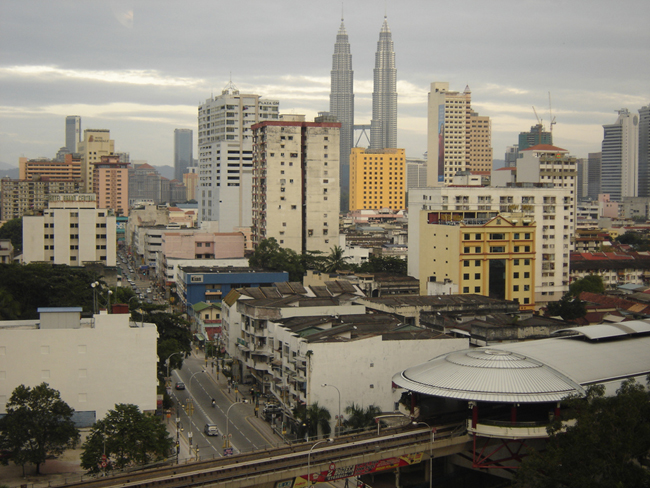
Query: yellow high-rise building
[[96, 143], [377, 179]]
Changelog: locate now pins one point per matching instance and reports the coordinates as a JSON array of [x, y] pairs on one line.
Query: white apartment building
[[619, 169], [94, 363], [296, 185], [72, 230], [226, 155], [550, 209]]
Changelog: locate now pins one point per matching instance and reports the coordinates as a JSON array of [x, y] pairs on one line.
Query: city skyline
[[148, 82]]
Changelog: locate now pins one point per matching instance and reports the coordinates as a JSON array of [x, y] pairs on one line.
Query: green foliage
[[590, 283], [269, 255], [360, 418], [9, 308], [13, 230], [384, 264], [313, 419], [128, 437], [38, 424], [173, 336], [335, 261], [42, 285], [638, 241], [569, 308], [606, 447]]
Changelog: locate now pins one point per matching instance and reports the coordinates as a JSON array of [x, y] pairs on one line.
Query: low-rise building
[[94, 363]]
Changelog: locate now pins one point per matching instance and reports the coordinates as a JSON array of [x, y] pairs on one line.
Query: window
[[526, 300], [526, 274], [516, 262], [466, 250], [477, 249], [477, 289], [526, 262], [515, 275], [526, 287], [477, 262], [515, 288], [526, 248], [516, 249], [494, 249], [526, 236], [516, 236], [466, 276], [466, 264], [466, 237], [465, 289], [477, 276]]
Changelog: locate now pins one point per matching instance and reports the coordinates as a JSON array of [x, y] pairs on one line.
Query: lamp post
[[338, 421], [192, 411], [110, 292], [430, 452], [94, 286], [168, 362], [226, 443], [309, 459]]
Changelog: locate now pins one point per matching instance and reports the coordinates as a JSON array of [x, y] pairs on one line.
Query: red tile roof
[[544, 147]]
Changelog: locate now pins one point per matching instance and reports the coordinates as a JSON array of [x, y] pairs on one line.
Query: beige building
[[377, 179], [21, 197], [458, 138], [546, 210], [72, 231], [95, 144], [111, 184], [191, 182], [66, 170], [296, 183]]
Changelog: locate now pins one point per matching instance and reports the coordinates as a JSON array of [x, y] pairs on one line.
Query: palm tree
[[360, 418], [314, 419], [336, 260]]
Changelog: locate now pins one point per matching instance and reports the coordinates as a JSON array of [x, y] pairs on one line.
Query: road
[[204, 387]]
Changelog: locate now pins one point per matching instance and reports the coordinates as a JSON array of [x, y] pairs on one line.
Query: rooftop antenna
[[342, 12], [550, 113]]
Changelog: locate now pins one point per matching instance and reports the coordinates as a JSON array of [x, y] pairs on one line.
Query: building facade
[[594, 161], [644, 151], [226, 155], [72, 231], [536, 136], [111, 184], [549, 209], [66, 170], [620, 157], [24, 197], [183, 152], [480, 144], [72, 133], [296, 183], [377, 179], [383, 126], [342, 106], [95, 144]]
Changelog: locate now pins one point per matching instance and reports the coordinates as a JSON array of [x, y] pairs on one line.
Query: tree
[[37, 424], [568, 307], [606, 447], [336, 260], [13, 230], [384, 264], [128, 437], [590, 283], [269, 255], [360, 418], [313, 419], [9, 308], [173, 336]]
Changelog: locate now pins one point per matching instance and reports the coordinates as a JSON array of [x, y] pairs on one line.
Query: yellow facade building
[[494, 258], [377, 179]]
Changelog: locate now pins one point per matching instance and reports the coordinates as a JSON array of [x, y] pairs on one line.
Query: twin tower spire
[[383, 126]]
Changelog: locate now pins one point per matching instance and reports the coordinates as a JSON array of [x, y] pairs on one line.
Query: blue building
[[210, 283]]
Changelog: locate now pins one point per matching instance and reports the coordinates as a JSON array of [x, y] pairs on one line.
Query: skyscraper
[[594, 161], [183, 141], [644, 151], [383, 126], [620, 157], [95, 144], [72, 132], [226, 155], [342, 106], [535, 137]]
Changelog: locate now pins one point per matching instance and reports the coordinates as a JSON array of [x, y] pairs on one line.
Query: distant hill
[[8, 171], [166, 171]]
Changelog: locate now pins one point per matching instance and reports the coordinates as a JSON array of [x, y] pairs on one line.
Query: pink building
[[111, 184], [202, 245], [606, 207]]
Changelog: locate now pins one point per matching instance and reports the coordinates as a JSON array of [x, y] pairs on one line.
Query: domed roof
[[488, 374]]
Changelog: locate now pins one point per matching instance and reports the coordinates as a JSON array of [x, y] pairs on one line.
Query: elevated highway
[[288, 467]]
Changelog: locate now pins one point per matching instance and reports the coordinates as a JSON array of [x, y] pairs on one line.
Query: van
[[211, 430]]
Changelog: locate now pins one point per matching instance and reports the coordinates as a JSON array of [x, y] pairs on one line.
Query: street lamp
[[433, 430], [226, 443], [94, 286], [168, 362], [338, 422], [309, 459], [192, 411]]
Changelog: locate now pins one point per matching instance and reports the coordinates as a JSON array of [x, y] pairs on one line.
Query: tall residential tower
[[619, 174], [342, 106], [183, 141], [383, 126]]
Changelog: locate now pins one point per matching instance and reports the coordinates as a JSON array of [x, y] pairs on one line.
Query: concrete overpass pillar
[[397, 478]]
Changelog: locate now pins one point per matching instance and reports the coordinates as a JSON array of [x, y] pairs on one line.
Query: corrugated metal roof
[[545, 370]]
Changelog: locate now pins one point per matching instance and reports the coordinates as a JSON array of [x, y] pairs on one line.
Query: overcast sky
[[140, 68]]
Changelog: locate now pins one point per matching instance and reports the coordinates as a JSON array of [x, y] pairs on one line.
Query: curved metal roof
[[545, 370]]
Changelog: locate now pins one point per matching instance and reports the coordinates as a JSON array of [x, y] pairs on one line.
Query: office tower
[[416, 173], [95, 144], [512, 153], [111, 184], [383, 126], [644, 151], [458, 138], [535, 137], [183, 157], [296, 183], [72, 132], [342, 106], [582, 179], [620, 157], [377, 179], [480, 144], [226, 155], [593, 175]]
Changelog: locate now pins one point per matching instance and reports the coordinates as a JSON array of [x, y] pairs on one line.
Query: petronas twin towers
[[383, 126]]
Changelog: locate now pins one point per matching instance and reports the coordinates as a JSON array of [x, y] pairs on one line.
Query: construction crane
[[550, 113], [539, 121]]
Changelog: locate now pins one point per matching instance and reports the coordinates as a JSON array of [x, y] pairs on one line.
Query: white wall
[[92, 367]]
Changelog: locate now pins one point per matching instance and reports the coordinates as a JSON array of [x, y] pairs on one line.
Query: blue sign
[[228, 451]]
